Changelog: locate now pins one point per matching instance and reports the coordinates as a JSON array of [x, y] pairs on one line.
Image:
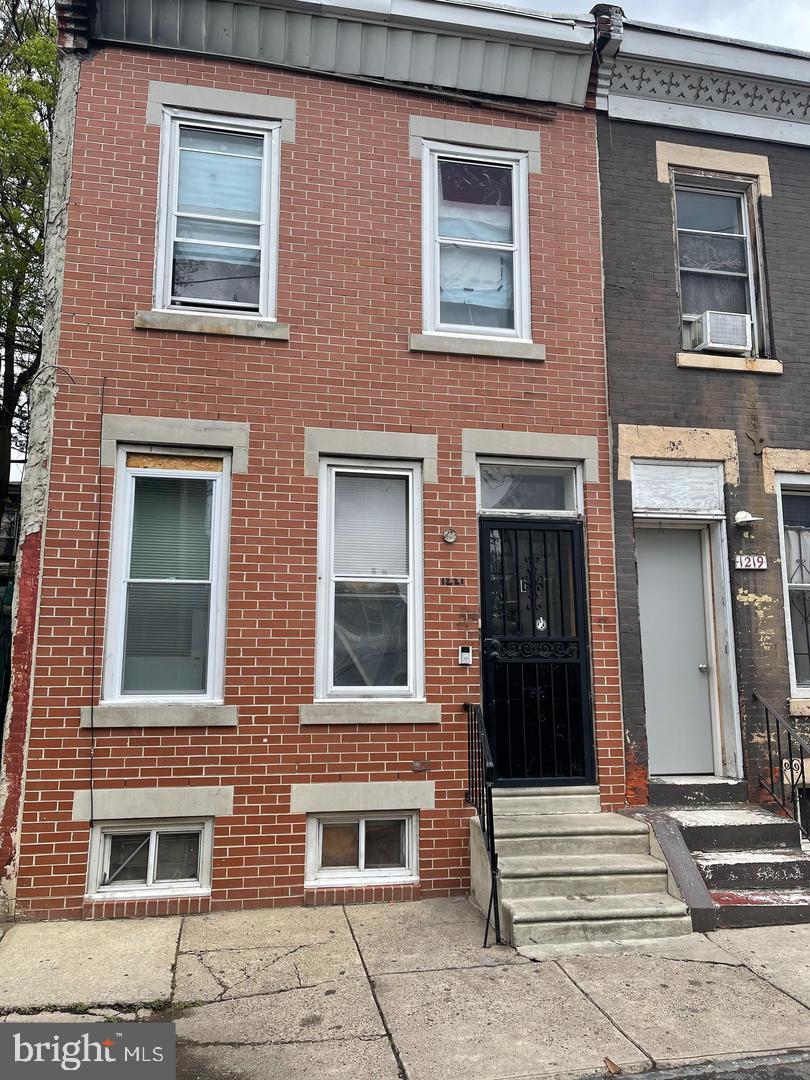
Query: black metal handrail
[[791, 751], [481, 779]]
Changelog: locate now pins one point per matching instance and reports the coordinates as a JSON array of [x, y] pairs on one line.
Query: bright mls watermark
[[43, 1051]]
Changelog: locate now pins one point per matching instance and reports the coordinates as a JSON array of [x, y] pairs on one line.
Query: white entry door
[[678, 668]]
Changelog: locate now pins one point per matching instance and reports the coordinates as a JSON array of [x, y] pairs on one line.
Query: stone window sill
[[716, 362], [460, 346], [195, 322], [370, 712], [159, 715], [799, 706]]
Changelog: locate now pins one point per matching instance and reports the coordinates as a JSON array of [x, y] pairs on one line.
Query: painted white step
[[546, 804], [581, 875], [555, 920]]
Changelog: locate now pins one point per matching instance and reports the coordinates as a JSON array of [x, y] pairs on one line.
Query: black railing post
[[481, 780], [787, 792]]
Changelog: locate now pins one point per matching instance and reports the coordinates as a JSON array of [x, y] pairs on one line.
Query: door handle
[[703, 667]]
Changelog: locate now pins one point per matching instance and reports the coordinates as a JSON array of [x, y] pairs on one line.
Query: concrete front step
[[557, 920], [570, 834], [525, 876], [784, 869], [732, 828], [545, 804], [543, 792], [654, 946], [761, 907]]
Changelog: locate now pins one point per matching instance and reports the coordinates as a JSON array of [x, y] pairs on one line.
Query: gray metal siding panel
[[192, 24], [165, 24]]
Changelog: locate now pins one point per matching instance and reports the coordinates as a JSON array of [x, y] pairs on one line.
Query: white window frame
[[747, 191], [574, 466], [788, 482], [317, 877], [100, 856], [324, 688], [270, 131], [519, 163], [123, 503]]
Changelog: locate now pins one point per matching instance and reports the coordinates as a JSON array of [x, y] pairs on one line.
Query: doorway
[[535, 658], [678, 650]]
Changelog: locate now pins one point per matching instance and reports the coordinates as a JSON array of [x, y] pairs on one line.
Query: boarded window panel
[[689, 489], [174, 462], [371, 525], [171, 528]]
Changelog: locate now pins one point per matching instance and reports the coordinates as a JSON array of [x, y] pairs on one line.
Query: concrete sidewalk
[[406, 991]]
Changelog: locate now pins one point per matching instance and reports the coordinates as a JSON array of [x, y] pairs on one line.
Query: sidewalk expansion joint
[[394, 1048]]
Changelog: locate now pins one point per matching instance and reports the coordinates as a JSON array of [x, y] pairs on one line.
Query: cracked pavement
[[405, 991]]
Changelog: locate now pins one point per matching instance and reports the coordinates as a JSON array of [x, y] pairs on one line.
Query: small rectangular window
[[717, 255], [352, 849], [166, 614], [509, 487], [475, 242], [150, 859], [219, 207], [370, 601], [796, 562]]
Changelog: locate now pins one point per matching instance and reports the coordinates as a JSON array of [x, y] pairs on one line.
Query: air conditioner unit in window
[[722, 331]]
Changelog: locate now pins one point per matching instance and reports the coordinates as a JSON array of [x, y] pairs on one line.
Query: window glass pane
[[129, 858], [713, 292], [800, 633], [214, 182], [706, 252], [709, 212], [178, 856], [371, 634], [225, 232], [475, 201], [475, 287], [796, 508], [171, 527], [340, 845], [797, 555], [216, 274], [371, 525], [166, 639], [527, 487], [385, 844]]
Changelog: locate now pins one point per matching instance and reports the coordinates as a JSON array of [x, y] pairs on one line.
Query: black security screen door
[[535, 652]]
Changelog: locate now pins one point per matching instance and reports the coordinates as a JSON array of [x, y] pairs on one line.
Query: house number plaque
[[750, 562]]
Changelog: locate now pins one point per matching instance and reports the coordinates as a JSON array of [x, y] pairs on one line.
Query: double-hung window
[[370, 601], [167, 578], [219, 215], [795, 506], [475, 242], [717, 256]]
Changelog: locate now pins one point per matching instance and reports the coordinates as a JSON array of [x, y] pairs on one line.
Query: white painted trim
[[317, 877], [359, 797], [359, 443], [152, 432], [716, 121], [519, 163], [167, 202], [124, 804], [538, 445], [123, 502], [324, 687], [99, 855], [802, 482], [460, 131], [227, 102]]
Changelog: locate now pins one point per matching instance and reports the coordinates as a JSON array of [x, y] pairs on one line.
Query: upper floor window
[[219, 215], [475, 242], [795, 507], [370, 603], [166, 619], [721, 307]]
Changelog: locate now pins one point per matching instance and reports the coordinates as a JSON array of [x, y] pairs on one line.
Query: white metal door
[[678, 668]]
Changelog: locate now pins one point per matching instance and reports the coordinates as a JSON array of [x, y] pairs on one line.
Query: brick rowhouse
[[349, 286]]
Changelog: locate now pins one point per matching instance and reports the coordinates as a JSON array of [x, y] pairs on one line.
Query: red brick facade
[[349, 287]]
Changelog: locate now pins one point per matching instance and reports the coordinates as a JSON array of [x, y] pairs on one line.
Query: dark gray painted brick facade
[[647, 388]]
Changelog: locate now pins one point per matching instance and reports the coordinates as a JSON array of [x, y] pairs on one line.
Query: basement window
[[138, 859], [219, 215], [379, 848]]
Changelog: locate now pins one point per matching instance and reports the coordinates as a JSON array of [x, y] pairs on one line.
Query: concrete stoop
[[571, 875]]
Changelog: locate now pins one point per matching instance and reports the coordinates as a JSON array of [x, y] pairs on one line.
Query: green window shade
[[171, 528]]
